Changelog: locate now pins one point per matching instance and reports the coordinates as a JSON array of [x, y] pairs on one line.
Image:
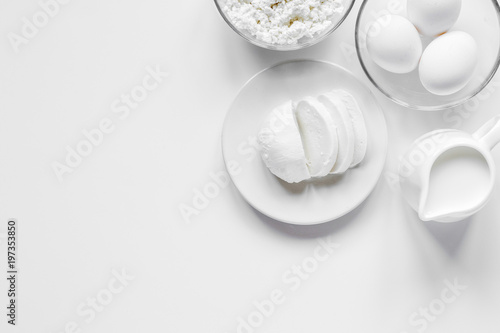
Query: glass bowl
[[479, 18], [304, 42]]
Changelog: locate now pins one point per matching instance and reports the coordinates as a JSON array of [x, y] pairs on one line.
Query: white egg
[[394, 44], [448, 63], [433, 17]]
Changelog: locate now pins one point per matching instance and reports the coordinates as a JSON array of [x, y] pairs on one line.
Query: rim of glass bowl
[[420, 107], [293, 47]]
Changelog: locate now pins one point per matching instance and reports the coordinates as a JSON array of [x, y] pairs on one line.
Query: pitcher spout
[[442, 217]]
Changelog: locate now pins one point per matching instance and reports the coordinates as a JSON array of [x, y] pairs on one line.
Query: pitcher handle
[[489, 133]]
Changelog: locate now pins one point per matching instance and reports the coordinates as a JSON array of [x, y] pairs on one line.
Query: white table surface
[[119, 209]]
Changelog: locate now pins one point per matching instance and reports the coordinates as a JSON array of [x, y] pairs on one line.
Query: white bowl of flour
[[284, 24]]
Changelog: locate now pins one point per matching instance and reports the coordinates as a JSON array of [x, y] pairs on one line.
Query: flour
[[282, 22]]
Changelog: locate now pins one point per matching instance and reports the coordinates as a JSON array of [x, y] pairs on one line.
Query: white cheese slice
[[319, 136], [358, 123], [346, 138], [281, 145]]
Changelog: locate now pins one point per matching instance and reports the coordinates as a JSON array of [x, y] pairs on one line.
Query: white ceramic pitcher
[[448, 175]]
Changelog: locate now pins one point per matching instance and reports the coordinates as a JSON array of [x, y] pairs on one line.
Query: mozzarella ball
[[281, 146]]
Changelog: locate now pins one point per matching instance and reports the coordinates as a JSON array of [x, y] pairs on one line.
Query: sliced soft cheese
[[319, 136], [281, 145], [346, 138], [358, 123]]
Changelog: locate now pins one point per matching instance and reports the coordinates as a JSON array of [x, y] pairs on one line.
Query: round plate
[[309, 202]]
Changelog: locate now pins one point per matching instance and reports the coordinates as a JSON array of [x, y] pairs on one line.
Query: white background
[[120, 208]]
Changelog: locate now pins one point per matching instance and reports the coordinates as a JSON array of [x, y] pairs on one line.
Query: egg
[[448, 63], [394, 44], [433, 17]]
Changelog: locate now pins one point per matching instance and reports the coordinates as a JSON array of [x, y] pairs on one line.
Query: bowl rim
[[291, 47], [420, 107]]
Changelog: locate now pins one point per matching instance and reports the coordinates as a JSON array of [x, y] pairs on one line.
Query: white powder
[[282, 21]]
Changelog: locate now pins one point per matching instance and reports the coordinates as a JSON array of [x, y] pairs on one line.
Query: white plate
[[309, 202]]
